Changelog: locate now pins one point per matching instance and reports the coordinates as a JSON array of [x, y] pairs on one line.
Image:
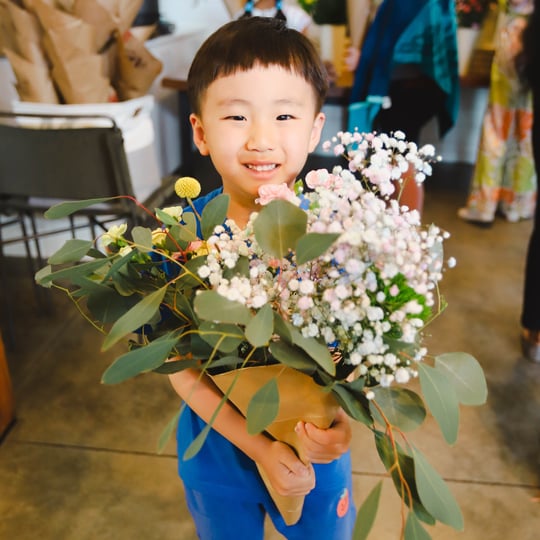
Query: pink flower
[[270, 192], [321, 177]]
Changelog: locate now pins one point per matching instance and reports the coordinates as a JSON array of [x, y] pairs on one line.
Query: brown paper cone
[[34, 82], [300, 399], [97, 15], [25, 23], [126, 12]]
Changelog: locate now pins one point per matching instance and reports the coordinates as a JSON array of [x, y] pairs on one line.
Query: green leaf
[[313, 245], [42, 276], [441, 400], [214, 214], [139, 360], [316, 350], [465, 375], [263, 408], [72, 272], [165, 218], [188, 230], [401, 468], [260, 328], [278, 227], [196, 444], [211, 306], [366, 513], [225, 337], [168, 432], [106, 305], [72, 251], [402, 407], [414, 529], [136, 317], [142, 236], [292, 356], [67, 208], [434, 493], [352, 403]]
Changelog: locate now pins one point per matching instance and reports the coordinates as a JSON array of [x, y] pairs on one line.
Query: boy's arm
[[287, 473]]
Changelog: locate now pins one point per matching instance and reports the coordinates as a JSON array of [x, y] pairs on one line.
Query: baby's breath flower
[[187, 187]]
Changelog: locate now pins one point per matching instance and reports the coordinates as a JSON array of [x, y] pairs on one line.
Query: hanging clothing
[[504, 178], [412, 41]]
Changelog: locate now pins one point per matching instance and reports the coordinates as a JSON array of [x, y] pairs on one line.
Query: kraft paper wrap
[[300, 398]]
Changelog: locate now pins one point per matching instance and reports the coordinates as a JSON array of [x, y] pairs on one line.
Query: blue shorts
[[326, 515]]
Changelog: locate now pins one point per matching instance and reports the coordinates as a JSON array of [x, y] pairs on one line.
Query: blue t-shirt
[[220, 467]]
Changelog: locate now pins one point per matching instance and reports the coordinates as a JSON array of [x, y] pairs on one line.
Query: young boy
[[256, 90]]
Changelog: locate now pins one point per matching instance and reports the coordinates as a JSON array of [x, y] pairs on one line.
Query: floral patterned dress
[[504, 177]]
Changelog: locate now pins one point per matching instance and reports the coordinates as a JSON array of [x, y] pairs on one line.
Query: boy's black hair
[[241, 44]]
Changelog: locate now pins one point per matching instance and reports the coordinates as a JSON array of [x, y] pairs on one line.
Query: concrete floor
[[80, 462]]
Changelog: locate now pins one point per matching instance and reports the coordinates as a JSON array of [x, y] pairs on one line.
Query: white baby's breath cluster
[[371, 293], [383, 160]]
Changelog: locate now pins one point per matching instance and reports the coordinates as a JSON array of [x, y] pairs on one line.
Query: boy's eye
[[237, 117], [285, 117]]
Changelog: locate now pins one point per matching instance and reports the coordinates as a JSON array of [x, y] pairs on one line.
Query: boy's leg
[[224, 518]]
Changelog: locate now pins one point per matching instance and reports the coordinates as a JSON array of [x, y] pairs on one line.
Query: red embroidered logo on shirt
[[343, 503]]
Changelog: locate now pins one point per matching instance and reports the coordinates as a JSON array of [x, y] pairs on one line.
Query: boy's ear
[[316, 131], [198, 134]]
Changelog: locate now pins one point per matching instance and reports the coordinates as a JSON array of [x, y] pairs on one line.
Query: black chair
[[45, 159]]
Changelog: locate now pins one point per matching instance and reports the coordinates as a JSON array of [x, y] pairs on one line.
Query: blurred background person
[[504, 179], [410, 55], [530, 316], [294, 15]]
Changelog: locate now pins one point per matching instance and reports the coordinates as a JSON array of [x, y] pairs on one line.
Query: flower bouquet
[[332, 281]]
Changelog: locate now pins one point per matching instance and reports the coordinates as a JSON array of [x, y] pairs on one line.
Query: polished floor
[[80, 462]]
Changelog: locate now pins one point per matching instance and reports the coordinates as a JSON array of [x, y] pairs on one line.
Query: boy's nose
[[261, 138]]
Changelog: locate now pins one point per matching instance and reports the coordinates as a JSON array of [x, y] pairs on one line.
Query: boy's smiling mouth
[[262, 168]]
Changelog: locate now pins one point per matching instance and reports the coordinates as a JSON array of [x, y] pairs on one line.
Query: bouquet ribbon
[[300, 399]]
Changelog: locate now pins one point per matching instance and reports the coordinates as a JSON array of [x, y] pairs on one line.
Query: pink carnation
[[269, 192]]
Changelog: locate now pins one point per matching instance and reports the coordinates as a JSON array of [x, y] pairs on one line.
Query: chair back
[[49, 156]]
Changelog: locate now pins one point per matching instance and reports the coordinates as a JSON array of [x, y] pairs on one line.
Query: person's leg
[[218, 517]]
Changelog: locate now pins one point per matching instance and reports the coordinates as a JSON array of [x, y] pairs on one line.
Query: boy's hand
[[287, 474], [325, 445]]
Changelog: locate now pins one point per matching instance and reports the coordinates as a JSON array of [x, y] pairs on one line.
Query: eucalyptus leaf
[[188, 230], [165, 218], [465, 375], [168, 432], [316, 350], [260, 328], [136, 317], [441, 400], [214, 214], [42, 276], [279, 226], [139, 360], [402, 407], [106, 305], [434, 493], [414, 529], [76, 271], [142, 236], [292, 356], [366, 513], [352, 404], [313, 245], [211, 306], [67, 208], [263, 407], [72, 251], [225, 337]]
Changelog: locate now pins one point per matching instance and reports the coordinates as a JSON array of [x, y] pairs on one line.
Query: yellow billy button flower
[[187, 187]]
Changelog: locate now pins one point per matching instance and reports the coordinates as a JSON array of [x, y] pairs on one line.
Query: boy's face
[[258, 127]]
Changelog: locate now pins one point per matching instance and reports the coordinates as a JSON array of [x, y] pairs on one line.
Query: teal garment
[[415, 33]]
